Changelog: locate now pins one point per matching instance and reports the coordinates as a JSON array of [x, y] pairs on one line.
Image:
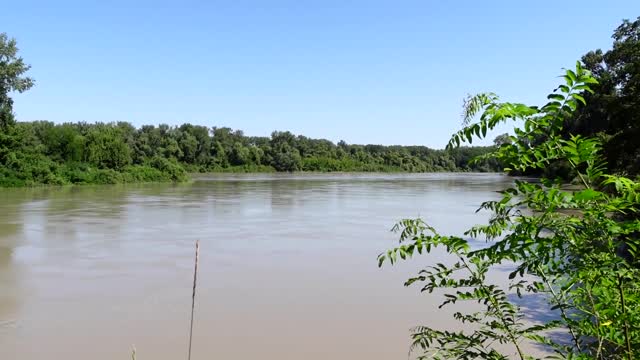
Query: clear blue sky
[[385, 72]]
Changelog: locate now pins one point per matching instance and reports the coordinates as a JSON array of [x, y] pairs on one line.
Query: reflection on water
[[288, 265]]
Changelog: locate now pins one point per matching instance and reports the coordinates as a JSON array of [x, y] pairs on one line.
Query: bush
[[31, 169], [174, 171], [144, 173], [106, 176], [76, 173], [10, 179]]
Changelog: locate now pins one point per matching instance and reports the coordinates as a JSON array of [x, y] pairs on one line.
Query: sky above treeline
[[380, 72]]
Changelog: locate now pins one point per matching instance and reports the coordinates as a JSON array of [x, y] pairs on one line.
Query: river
[[287, 266]]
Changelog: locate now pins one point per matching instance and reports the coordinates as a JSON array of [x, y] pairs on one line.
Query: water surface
[[287, 266]]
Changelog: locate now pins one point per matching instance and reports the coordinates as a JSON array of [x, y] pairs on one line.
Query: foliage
[[12, 69], [68, 149], [613, 107], [42, 152], [106, 148], [576, 248]]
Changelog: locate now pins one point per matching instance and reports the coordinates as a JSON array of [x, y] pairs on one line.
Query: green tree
[[202, 140], [577, 248], [256, 154], [240, 155], [12, 70], [16, 165], [285, 156], [502, 139], [188, 147], [613, 105], [106, 148], [219, 154], [12, 79], [63, 142]]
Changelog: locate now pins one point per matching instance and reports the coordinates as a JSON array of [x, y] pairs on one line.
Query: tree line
[[42, 152]]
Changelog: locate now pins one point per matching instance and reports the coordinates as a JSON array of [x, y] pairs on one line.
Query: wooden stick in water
[[193, 296]]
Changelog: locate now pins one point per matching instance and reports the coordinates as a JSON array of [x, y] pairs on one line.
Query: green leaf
[[579, 98], [587, 195], [584, 87], [565, 244], [568, 80], [555, 97], [554, 105]]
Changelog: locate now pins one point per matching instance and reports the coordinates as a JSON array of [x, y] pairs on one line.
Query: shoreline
[[193, 176]]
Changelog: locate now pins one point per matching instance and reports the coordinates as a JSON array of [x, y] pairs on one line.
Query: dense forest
[[42, 152]]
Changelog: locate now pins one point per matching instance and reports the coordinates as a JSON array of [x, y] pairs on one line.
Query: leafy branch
[[575, 247]]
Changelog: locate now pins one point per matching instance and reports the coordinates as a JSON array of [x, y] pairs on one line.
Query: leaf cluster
[[577, 247]]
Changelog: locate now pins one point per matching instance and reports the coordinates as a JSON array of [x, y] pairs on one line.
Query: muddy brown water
[[287, 266]]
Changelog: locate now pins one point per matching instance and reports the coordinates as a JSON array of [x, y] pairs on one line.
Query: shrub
[[174, 171], [106, 176]]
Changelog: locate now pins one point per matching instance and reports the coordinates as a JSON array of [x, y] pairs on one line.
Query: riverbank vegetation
[[577, 249], [41, 152]]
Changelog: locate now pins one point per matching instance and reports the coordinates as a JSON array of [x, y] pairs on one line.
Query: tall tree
[[12, 69], [613, 106]]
